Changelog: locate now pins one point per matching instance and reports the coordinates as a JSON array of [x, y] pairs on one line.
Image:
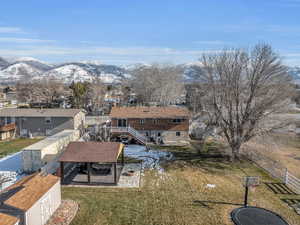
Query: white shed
[[32, 199], [39, 154]]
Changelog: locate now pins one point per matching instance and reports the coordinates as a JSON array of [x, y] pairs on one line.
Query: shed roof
[[21, 112], [102, 152], [7, 219], [48, 141], [27, 191], [149, 112]]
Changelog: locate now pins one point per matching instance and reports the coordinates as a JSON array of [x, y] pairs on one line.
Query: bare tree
[[158, 83], [94, 96], [194, 94], [244, 90], [45, 90]]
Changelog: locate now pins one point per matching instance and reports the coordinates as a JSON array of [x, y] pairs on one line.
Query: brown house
[[168, 125]]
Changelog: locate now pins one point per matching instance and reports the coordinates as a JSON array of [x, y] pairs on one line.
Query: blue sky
[[132, 31]]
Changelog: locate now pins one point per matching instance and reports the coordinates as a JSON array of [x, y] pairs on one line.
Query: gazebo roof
[[101, 152]]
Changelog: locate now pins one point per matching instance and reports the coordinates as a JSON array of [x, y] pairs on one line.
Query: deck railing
[[140, 137]]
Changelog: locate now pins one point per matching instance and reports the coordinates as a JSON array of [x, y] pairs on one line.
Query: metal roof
[[101, 152], [21, 112], [48, 141]]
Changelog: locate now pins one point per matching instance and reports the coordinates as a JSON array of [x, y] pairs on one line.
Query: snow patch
[[151, 158]]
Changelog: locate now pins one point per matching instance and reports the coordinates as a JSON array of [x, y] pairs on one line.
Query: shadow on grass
[[280, 188], [204, 204], [213, 159], [290, 201]]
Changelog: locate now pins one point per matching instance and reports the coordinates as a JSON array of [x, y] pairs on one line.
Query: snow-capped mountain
[[69, 73], [3, 63], [87, 72], [29, 68], [20, 70], [191, 71]]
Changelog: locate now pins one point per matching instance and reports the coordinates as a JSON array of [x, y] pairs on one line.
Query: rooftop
[[7, 219], [7, 127], [49, 140], [149, 112], [27, 191], [23, 112], [101, 152]]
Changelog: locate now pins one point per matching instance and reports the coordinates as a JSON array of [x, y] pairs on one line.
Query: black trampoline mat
[[256, 216]]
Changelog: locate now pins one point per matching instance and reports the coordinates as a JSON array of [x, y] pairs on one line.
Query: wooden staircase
[[131, 131]]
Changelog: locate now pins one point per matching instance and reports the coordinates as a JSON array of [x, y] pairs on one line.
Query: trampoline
[[256, 216]]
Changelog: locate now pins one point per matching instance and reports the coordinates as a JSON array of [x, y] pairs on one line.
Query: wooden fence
[[275, 169]]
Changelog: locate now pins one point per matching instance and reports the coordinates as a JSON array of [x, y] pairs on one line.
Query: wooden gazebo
[[90, 153]]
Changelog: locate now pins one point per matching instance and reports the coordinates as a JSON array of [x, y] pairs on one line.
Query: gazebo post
[[123, 157], [89, 172], [62, 172], [115, 172]]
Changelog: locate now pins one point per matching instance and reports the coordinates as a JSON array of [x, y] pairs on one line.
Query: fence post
[[286, 176]]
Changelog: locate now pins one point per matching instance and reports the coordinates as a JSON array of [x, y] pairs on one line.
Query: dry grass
[[180, 196], [283, 148]]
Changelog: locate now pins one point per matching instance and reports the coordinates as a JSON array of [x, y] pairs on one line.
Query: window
[[178, 120], [177, 133], [48, 120], [155, 121], [142, 121]]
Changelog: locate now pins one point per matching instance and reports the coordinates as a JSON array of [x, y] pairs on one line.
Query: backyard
[[15, 145], [281, 148], [180, 194]]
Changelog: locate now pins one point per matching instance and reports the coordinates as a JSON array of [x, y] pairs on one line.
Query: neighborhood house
[[42, 122], [30, 201], [163, 125], [7, 131]]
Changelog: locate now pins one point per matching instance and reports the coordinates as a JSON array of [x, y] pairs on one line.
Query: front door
[[122, 123]]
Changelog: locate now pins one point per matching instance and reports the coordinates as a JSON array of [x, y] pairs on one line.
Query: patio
[[91, 163]]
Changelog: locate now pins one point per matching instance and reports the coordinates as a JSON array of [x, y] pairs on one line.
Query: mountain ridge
[[27, 68]]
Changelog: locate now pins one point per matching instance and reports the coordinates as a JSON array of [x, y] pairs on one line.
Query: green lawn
[[15, 145], [180, 196]]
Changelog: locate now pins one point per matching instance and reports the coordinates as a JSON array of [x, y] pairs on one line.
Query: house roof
[[27, 191], [7, 219], [21, 112], [7, 127], [101, 152], [149, 112]]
